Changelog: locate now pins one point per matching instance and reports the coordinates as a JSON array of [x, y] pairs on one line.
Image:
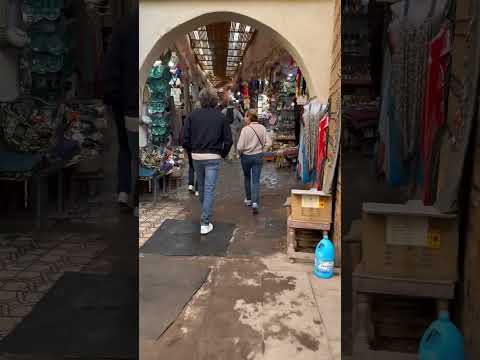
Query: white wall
[[303, 27]]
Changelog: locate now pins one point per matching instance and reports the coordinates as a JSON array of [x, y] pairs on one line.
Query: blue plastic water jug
[[442, 341], [324, 258]]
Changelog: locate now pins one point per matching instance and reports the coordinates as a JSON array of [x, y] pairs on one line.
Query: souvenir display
[[165, 160], [46, 60], [159, 85]]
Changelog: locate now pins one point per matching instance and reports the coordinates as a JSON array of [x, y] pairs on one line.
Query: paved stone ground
[[30, 268], [93, 236], [255, 303], [153, 215]]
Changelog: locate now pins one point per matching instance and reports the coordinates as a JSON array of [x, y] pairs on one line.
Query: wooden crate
[[409, 241], [301, 233], [311, 206]]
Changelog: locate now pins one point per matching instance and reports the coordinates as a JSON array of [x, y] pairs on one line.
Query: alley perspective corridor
[[252, 303]]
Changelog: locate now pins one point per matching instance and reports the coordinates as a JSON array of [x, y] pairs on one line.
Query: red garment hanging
[[245, 90], [434, 116], [299, 81], [321, 147]]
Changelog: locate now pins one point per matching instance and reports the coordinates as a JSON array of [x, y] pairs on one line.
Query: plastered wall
[[303, 27]]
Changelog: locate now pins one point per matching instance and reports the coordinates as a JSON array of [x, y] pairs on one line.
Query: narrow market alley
[[255, 303], [249, 289]]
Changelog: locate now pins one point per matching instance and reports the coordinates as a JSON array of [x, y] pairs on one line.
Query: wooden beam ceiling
[[219, 48], [218, 33]]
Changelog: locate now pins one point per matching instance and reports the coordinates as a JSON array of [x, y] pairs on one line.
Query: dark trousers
[[252, 168], [191, 171], [133, 144], [124, 170]]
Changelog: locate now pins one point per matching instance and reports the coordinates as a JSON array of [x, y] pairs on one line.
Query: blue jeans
[[207, 175], [252, 168]]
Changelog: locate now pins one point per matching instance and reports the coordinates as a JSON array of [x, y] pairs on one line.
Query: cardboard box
[[409, 241], [311, 206]]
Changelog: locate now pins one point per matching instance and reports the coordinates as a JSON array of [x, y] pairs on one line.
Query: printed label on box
[[310, 201], [407, 231], [434, 239]]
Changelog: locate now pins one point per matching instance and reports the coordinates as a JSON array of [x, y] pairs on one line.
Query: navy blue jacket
[[207, 131]]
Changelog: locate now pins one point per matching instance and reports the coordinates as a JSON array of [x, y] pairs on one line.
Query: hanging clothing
[[409, 75], [462, 127], [245, 90], [311, 118], [382, 148], [302, 166], [321, 148], [393, 165], [299, 82], [297, 111], [434, 113]]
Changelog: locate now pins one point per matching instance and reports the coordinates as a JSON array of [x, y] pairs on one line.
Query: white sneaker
[[255, 208], [190, 188], [247, 202], [197, 193], [205, 229], [123, 198]]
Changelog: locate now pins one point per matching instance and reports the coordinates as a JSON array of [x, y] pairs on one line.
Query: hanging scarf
[[321, 147], [311, 118], [408, 76]]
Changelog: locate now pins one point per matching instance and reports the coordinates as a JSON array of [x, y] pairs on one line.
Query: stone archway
[[304, 28]]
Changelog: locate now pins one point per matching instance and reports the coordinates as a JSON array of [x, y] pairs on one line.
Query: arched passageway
[[253, 258], [306, 34]]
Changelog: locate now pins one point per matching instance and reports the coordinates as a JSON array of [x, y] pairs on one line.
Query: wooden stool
[[365, 286], [292, 244]]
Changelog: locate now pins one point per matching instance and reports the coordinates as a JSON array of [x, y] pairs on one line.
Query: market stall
[[299, 128], [396, 70], [160, 154], [274, 97], [52, 122]]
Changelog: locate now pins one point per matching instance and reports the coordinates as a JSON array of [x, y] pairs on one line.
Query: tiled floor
[[153, 215], [29, 269]]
